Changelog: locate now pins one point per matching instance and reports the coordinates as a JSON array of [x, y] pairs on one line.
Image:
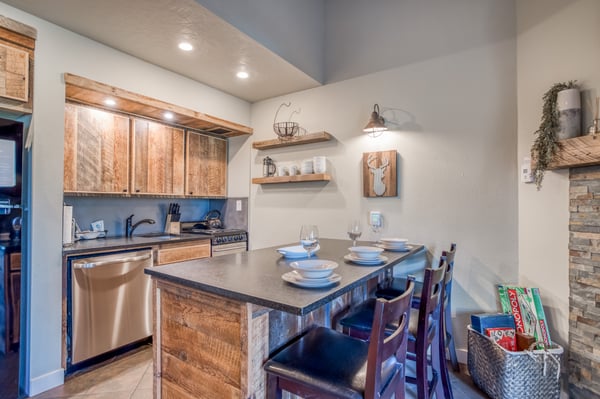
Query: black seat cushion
[[329, 361], [397, 287]]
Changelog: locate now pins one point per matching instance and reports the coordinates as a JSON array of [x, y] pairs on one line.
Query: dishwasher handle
[[91, 265]]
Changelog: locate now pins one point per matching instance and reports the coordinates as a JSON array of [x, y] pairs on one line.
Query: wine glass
[[354, 231], [309, 237]]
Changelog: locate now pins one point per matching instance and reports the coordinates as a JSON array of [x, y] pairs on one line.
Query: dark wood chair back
[[430, 305], [389, 337]]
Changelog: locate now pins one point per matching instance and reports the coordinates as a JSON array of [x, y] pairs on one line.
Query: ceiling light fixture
[[185, 46], [110, 102], [168, 115], [376, 124], [242, 75]]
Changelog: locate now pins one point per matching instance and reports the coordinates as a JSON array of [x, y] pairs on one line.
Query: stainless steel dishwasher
[[110, 303]]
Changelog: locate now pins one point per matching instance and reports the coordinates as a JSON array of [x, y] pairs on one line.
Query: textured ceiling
[[151, 30]]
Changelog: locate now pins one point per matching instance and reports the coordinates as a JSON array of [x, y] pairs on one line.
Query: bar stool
[[396, 286], [423, 334], [327, 364]]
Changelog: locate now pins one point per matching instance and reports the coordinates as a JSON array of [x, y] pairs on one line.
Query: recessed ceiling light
[[185, 46], [242, 75], [168, 115], [110, 102]]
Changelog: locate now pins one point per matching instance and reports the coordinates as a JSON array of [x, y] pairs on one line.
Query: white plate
[[394, 241], [292, 278], [314, 268], [403, 248], [366, 262], [89, 235], [296, 252]]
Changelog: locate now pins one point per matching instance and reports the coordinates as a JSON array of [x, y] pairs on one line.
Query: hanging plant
[[546, 145]]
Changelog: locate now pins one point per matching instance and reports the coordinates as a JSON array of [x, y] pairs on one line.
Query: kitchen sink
[[157, 234]]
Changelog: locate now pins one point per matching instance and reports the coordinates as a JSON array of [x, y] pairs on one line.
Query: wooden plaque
[[379, 174]]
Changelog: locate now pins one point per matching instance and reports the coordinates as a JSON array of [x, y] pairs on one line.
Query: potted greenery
[[546, 144]]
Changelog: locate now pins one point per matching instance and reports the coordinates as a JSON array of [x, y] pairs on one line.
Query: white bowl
[[365, 252], [314, 268]]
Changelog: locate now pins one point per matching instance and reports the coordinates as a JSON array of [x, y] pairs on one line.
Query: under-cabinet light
[[110, 102], [242, 75], [168, 115]]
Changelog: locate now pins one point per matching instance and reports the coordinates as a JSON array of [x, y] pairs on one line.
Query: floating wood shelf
[[296, 140], [86, 91], [291, 179], [578, 151]]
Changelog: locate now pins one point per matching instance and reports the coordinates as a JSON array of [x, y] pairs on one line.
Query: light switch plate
[[375, 219], [238, 205]]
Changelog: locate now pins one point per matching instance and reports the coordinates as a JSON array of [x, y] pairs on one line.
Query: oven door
[[229, 248]]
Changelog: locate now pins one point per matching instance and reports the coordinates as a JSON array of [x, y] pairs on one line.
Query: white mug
[[282, 171], [320, 164], [293, 170]]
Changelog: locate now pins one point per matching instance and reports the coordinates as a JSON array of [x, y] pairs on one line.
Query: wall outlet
[[238, 205], [375, 219], [526, 172]]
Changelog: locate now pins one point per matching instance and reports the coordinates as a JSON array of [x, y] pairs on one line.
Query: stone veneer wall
[[584, 282]]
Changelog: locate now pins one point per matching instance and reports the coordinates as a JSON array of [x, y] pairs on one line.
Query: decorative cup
[[282, 171], [319, 164], [293, 170]]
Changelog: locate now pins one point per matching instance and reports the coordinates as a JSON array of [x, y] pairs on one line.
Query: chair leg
[[442, 366], [273, 391], [447, 322], [421, 371]]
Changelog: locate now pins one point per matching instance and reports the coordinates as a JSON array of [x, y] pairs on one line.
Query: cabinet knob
[[191, 192], [137, 190], [124, 190]]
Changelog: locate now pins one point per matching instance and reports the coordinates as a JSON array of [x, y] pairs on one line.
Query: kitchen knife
[[170, 209]]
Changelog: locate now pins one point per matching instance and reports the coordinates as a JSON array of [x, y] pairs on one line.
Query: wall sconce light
[[376, 124]]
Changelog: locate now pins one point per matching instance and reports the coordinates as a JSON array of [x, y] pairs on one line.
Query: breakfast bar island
[[217, 320]]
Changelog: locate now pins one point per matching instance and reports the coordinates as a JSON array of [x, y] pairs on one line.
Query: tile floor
[[130, 377]]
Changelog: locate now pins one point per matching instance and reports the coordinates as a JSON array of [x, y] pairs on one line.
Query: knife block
[[172, 224]]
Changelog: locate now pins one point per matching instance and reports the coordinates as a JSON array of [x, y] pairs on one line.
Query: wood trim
[[297, 140], [87, 91], [18, 27], [292, 179]]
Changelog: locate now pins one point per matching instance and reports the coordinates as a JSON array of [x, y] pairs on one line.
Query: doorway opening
[[14, 194]]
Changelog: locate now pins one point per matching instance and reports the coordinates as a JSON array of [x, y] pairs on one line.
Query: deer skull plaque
[[379, 174]]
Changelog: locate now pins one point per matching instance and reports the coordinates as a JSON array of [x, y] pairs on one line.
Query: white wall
[[453, 120], [557, 42], [59, 51]]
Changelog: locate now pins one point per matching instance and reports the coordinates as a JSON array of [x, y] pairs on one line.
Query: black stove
[[218, 236]]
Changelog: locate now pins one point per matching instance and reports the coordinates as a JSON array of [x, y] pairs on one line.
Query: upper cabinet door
[[206, 166], [157, 158], [96, 151]]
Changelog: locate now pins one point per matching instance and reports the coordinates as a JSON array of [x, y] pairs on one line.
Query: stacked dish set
[[394, 244], [367, 256], [312, 273]]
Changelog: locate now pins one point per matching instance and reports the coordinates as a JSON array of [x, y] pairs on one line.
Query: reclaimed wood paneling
[[171, 253], [17, 45], [379, 174], [206, 166], [157, 158], [96, 151], [14, 73]]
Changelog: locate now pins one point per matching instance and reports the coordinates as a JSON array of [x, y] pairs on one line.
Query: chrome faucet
[[130, 227]]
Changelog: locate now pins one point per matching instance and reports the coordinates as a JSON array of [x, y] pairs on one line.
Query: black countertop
[[119, 243], [255, 276]]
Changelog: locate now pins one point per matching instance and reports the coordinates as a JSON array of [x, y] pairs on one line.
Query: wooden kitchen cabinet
[[17, 45], [157, 159], [96, 157], [206, 166], [180, 252]]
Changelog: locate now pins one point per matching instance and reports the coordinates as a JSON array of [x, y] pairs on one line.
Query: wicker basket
[[510, 375]]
